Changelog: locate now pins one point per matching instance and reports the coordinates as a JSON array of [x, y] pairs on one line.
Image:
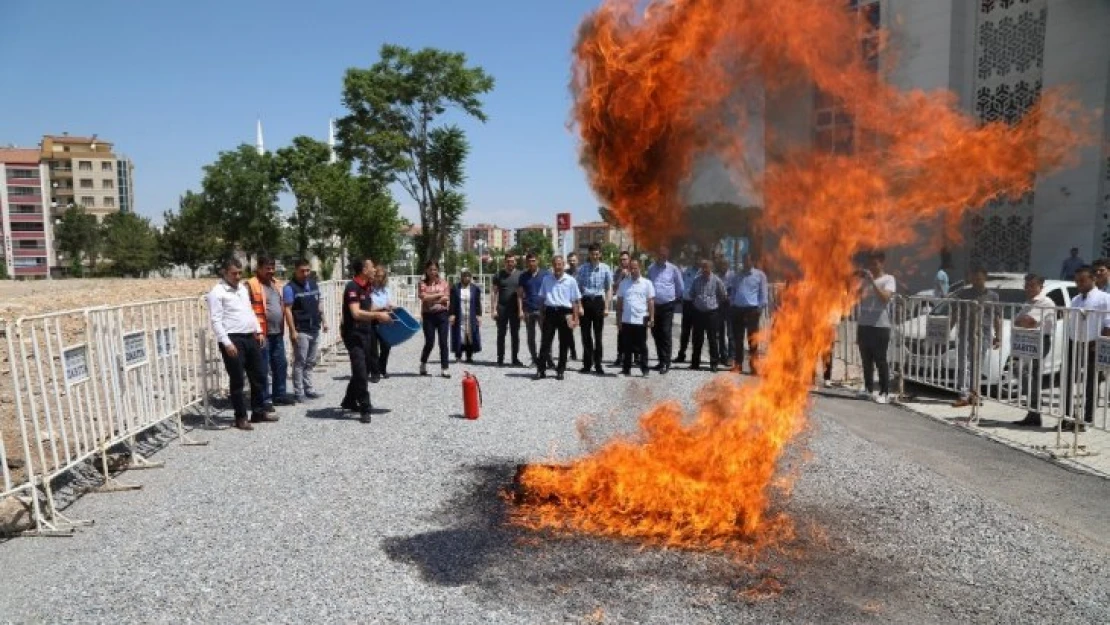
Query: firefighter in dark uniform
[[359, 336]]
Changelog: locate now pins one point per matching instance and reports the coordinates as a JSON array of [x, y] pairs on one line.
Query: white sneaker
[[863, 394], [444, 374], [826, 383], [882, 399], [875, 396]]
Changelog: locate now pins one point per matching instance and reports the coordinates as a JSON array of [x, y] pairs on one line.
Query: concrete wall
[[1070, 209]]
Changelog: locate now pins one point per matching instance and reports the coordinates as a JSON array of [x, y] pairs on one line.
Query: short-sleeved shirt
[[1043, 313], [873, 311], [595, 280], [634, 296], [748, 289], [379, 298], [532, 283], [355, 292], [667, 280], [985, 316], [274, 313], [506, 283], [439, 287], [941, 289], [559, 292]]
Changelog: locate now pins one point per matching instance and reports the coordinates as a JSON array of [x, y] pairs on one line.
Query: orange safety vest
[[258, 299]]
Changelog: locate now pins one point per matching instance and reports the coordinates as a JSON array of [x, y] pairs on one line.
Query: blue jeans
[[274, 360]]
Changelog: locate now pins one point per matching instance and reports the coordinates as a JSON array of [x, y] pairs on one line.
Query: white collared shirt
[[231, 312], [1043, 313], [1092, 316], [635, 295]]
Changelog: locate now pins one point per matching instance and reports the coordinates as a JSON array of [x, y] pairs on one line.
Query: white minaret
[[331, 140], [258, 144]]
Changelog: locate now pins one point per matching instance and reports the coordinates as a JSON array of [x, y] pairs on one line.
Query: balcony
[[17, 235], [37, 270], [17, 218], [24, 182], [24, 199], [29, 252]]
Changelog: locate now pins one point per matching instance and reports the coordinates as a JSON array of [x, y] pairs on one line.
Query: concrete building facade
[[601, 233], [492, 237], [24, 219], [83, 171]]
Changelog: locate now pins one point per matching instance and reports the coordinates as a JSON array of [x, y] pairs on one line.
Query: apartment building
[[84, 171], [125, 172], [492, 237], [601, 233], [547, 232], [24, 221]]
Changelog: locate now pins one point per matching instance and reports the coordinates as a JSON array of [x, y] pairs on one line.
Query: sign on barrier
[[1102, 354], [165, 341], [1026, 343], [937, 330], [76, 362], [134, 349]]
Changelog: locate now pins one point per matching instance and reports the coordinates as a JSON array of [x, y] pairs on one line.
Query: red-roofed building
[[24, 217]]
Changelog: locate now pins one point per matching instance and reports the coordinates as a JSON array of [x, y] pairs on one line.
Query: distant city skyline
[[175, 102]]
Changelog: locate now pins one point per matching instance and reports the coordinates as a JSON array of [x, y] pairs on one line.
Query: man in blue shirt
[[560, 313], [667, 280], [595, 279], [530, 301], [688, 276], [749, 300], [725, 344], [301, 297]]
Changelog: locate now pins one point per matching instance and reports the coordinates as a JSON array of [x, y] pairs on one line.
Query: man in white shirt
[[635, 314], [1088, 319], [559, 312], [240, 337], [1038, 313]]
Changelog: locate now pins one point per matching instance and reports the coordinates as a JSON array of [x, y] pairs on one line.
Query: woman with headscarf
[[466, 316]]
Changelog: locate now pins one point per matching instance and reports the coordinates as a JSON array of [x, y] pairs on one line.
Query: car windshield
[[1005, 296]]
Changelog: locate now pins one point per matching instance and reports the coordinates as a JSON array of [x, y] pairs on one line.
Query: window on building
[[88, 201], [87, 183], [29, 262], [23, 173], [107, 183], [106, 166], [23, 191], [84, 165], [27, 226], [109, 201], [25, 209], [29, 244]]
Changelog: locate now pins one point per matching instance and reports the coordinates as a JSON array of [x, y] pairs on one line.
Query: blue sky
[[173, 83]]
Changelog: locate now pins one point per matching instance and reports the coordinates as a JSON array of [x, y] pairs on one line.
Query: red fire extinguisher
[[472, 396]]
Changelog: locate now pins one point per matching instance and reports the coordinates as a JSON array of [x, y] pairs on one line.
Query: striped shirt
[[709, 292]]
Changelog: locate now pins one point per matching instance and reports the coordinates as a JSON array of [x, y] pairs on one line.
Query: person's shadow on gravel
[[339, 414]]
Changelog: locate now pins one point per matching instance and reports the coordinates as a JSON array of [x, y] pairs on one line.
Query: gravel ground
[[319, 517]]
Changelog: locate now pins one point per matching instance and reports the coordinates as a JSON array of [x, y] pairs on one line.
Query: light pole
[[480, 245]]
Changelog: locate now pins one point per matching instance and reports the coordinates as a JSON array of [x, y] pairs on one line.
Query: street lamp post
[[480, 245]]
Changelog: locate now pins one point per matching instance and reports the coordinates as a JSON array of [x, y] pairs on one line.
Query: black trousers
[[555, 320], [361, 348], [1075, 357], [531, 323], [745, 323], [593, 321], [687, 326], [246, 364], [633, 343], [873, 343], [661, 332], [435, 324], [508, 319], [379, 359], [707, 323], [726, 347], [1031, 381]]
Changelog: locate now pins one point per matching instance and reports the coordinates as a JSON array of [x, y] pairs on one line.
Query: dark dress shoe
[[1031, 419], [517, 363], [681, 358], [313, 395], [364, 415], [264, 417], [663, 370], [559, 375], [348, 404], [713, 368], [269, 408], [284, 401], [598, 370], [243, 424], [585, 370], [374, 379], [539, 376]]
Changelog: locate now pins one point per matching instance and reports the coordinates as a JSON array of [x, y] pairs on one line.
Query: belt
[[593, 297], [248, 334]]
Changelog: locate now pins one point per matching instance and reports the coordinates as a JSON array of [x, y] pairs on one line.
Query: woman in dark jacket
[[466, 317]]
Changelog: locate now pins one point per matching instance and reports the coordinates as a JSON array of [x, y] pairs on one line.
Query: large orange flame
[[655, 89]]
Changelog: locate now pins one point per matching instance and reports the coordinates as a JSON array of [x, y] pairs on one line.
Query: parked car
[[928, 363]]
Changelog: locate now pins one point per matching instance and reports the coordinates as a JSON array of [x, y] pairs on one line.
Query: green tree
[[368, 219], [610, 254], [77, 236], [131, 243], [241, 191], [536, 243], [303, 169], [189, 236], [4, 271], [391, 131]]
